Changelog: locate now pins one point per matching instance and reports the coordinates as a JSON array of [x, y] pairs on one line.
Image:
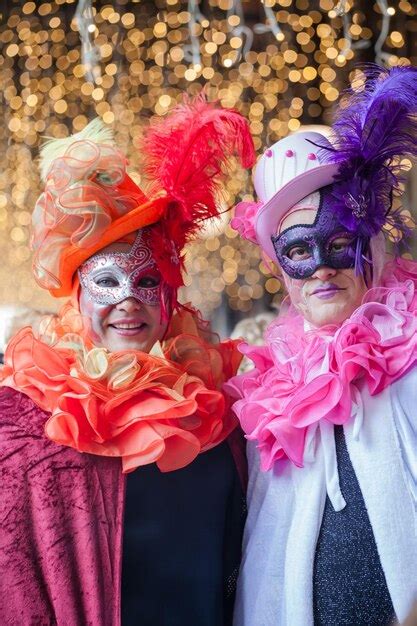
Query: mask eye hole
[[149, 281], [108, 282], [299, 252], [340, 244]]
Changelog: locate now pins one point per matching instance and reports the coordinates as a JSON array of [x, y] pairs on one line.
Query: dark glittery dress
[[349, 584], [182, 543]]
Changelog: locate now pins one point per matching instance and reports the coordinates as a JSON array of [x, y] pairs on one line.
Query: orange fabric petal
[[180, 450]]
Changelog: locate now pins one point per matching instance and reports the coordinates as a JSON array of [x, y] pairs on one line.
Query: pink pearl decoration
[[289, 153], [311, 156], [268, 152]]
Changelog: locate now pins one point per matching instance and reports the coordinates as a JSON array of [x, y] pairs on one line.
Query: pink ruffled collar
[[300, 378]]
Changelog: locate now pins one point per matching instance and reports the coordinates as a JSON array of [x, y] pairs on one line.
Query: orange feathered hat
[[90, 201]]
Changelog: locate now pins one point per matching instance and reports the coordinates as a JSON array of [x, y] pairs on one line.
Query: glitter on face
[[133, 322], [303, 248], [111, 277]]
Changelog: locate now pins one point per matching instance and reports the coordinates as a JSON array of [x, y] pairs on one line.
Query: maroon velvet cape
[[61, 525]]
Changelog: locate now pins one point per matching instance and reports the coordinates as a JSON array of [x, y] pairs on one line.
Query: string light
[[90, 55], [283, 66]]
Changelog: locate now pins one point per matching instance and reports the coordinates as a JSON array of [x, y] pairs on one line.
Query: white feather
[[53, 149]]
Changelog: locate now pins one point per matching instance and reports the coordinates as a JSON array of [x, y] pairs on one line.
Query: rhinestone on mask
[[357, 206]]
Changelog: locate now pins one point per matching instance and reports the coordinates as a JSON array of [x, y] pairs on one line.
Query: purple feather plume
[[376, 128]]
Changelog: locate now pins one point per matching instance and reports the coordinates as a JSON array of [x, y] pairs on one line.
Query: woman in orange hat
[[121, 467]]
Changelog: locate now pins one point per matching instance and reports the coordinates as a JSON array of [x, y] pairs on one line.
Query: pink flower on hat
[[244, 219]]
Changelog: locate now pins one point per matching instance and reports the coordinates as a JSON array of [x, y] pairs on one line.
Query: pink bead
[[311, 156], [268, 152], [289, 153]]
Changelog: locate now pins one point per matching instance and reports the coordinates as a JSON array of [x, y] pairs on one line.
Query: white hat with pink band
[[364, 164], [286, 176]]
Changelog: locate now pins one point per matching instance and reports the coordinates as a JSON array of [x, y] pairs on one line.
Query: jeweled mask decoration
[[111, 277], [303, 248]]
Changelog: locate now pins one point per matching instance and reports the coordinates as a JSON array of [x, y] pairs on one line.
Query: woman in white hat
[[330, 407]]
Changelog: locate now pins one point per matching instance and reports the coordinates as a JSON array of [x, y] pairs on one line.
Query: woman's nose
[[324, 272], [128, 305]]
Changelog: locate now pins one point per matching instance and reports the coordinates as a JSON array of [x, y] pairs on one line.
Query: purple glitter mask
[[111, 277], [303, 248]]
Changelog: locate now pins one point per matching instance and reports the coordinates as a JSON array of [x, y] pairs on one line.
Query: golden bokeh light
[[146, 60]]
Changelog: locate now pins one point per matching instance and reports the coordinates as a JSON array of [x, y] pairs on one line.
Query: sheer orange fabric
[[89, 202]]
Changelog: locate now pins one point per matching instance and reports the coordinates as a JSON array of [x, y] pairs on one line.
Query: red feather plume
[[187, 155]]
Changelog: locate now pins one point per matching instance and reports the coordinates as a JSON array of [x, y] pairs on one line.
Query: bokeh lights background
[[282, 63]]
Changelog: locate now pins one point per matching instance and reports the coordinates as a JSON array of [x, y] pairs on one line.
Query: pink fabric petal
[[325, 397], [291, 441]]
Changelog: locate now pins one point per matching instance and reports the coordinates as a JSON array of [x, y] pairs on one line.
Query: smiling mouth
[[128, 328]]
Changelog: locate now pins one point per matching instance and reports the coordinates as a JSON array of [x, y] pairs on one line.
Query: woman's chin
[[328, 313]]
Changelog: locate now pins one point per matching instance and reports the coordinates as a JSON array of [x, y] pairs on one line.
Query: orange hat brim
[[143, 215]]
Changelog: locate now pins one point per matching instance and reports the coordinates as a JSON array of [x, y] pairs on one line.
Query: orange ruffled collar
[[141, 407]]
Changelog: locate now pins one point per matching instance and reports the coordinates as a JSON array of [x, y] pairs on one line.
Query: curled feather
[[187, 155], [374, 130], [379, 122]]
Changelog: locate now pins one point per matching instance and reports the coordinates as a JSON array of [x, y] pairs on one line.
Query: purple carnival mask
[[111, 277], [303, 248]]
